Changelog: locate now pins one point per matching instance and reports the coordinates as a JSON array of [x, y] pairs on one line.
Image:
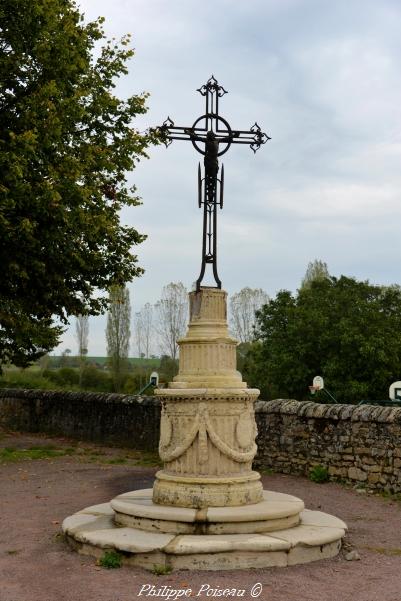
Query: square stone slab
[[219, 543], [309, 535], [125, 539], [318, 518], [82, 522]]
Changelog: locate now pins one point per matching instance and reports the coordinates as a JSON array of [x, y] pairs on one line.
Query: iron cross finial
[[215, 135]]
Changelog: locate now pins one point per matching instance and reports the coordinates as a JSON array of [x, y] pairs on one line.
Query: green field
[[134, 361]]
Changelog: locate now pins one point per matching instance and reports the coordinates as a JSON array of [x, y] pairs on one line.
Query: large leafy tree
[[66, 144], [342, 329]]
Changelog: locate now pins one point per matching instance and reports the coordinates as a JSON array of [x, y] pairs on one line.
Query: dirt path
[[37, 565]]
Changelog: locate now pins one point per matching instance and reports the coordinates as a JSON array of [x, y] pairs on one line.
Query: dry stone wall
[[116, 419], [361, 445]]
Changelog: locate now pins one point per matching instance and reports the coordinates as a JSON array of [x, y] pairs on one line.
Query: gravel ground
[[37, 565]]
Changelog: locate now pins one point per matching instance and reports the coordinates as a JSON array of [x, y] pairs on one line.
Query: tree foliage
[[243, 306], [342, 329], [172, 316], [66, 143], [316, 270], [143, 330], [118, 332], [82, 337]]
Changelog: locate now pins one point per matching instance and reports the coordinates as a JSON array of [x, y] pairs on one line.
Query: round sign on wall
[[394, 392], [318, 382]]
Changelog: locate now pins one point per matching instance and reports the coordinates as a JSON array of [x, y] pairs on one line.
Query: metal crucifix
[[215, 134]]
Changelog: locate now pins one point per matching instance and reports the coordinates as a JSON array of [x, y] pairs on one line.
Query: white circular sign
[[394, 392], [318, 382], [154, 378]]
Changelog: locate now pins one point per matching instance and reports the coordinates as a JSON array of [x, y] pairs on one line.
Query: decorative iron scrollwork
[[211, 130]]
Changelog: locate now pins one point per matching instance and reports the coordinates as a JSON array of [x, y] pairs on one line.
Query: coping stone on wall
[[356, 413]]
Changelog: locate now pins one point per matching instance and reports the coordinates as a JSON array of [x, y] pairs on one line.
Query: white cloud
[[323, 81]]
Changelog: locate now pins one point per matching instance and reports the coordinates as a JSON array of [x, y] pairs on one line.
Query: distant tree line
[[340, 328]]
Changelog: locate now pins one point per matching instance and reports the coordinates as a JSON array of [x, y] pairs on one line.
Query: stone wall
[[357, 444], [115, 419]]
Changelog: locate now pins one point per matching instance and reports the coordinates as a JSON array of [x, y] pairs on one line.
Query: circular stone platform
[[276, 532], [137, 510]]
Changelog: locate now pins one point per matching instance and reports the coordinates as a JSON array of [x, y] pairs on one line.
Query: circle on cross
[[211, 137]]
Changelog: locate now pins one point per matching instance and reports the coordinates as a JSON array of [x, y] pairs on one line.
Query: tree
[[66, 143], [82, 335], [168, 368], [342, 329], [65, 357], [316, 270], [243, 306], [144, 330], [172, 312], [118, 332]]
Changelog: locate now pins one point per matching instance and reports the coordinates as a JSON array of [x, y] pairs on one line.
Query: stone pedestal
[[207, 509], [208, 428]]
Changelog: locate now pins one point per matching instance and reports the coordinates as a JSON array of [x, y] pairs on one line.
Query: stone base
[[207, 492], [276, 532]]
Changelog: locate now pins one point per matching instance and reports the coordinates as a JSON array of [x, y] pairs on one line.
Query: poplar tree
[[243, 307], [118, 333], [317, 270], [172, 317], [82, 336]]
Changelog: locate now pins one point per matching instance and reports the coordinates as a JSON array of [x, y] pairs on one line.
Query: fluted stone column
[[208, 429]]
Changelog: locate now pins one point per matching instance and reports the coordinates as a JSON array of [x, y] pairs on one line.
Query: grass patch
[[266, 471], [12, 552], [110, 560], [11, 454], [147, 459], [93, 452], [159, 570], [130, 458], [319, 474], [389, 496]]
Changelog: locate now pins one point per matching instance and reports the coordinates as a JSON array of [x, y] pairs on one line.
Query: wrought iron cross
[[215, 134]]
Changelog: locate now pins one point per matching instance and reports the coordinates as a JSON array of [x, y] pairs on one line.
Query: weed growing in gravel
[[319, 474], [110, 560], [266, 471], [390, 496], [159, 570]]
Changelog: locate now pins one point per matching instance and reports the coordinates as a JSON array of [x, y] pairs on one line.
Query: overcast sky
[[323, 79]]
